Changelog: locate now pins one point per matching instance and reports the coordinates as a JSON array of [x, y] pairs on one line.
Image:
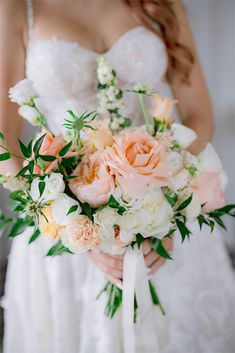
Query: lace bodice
[[64, 73]]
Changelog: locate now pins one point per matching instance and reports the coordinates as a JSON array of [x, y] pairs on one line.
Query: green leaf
[[226, 210], [155, 298], [18, 228], [26, 150], [65, 149], [115, 204], [41, 187], [34, 236], [184, 231], [58, 249], [127, 122], [86, 208], [160, 250], [169, 234], [2, 137], [23, 171], [72, 209], [184, 204], [139, 240], [31, 167], [47, 158], [5, 156], [171, 197], [38, 145]]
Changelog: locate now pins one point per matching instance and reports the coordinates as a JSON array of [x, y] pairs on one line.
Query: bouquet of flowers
[[104, 185]]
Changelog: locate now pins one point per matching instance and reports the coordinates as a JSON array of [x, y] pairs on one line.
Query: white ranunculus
[[192, 211], [61, 207], [15, 183], [54, 185], [175, 162], [29, 113], [106, 218], [180, 180], [183, 135], [23, 92], [209, 161]]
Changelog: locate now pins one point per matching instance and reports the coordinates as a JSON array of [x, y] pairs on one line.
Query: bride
[[50, 304]]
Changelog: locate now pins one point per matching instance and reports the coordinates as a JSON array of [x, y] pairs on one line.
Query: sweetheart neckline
[[77, 44]]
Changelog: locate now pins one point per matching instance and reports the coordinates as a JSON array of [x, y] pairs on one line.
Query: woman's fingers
[[156, 265], [150, 258], [110, 271], [146, 246], [115, 281], [112, 261]]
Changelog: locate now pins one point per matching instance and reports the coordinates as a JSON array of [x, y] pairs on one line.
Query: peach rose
[[81, 235], [137, 160], [94, 183], [162, 108], [208, 188], [51, 146], [47, 225]]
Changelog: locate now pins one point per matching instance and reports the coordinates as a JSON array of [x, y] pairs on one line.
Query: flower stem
[[146, 118]]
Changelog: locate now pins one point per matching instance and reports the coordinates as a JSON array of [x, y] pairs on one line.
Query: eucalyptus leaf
[[160, 250], [58, 249], [34, 236], [65, 149], [183, 229], [38, 144], [47, 158], [26, 151], [72, 209], [5, 156], [185, 203], [19, 226], [41, 187]]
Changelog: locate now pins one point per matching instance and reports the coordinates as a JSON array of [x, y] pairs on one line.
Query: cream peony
[[23, 92], [61, 207], [54, 185], [151, 217], [81, 235]]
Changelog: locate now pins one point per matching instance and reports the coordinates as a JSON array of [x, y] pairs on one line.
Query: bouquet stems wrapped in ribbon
[[104, 185]]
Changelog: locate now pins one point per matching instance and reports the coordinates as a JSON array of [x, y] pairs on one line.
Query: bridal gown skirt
[[50, 303]]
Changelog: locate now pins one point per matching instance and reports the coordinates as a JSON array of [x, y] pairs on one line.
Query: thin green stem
[[146, 118]]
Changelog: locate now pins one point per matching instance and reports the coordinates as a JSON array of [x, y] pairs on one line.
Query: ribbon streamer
[[135, 281]]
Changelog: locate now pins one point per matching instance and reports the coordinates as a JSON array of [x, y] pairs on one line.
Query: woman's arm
[[194, 102], [12, 56]]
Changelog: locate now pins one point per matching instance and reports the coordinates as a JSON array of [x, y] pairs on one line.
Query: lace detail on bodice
[[64, 72]]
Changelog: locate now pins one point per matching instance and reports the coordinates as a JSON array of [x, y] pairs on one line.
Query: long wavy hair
[[159, 17]]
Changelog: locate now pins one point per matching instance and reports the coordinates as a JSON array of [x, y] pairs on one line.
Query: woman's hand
[[112, 265], [154, 261]]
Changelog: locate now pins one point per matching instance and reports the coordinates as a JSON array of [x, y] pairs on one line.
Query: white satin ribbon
[[135, 281]]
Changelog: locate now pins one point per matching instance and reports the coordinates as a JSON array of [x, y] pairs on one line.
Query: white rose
[[29, 113], [54, 185], [15, 183], [183, 135], [22, 92], [209, 161], [192, 211], [61, 207]]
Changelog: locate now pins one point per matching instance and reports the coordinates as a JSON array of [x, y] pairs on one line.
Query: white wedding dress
[[50, 304]]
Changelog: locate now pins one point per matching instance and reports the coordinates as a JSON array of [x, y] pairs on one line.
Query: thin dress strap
[[30, 17]]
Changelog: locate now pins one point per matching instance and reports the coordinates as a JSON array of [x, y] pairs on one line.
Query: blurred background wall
[[213, 23]]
